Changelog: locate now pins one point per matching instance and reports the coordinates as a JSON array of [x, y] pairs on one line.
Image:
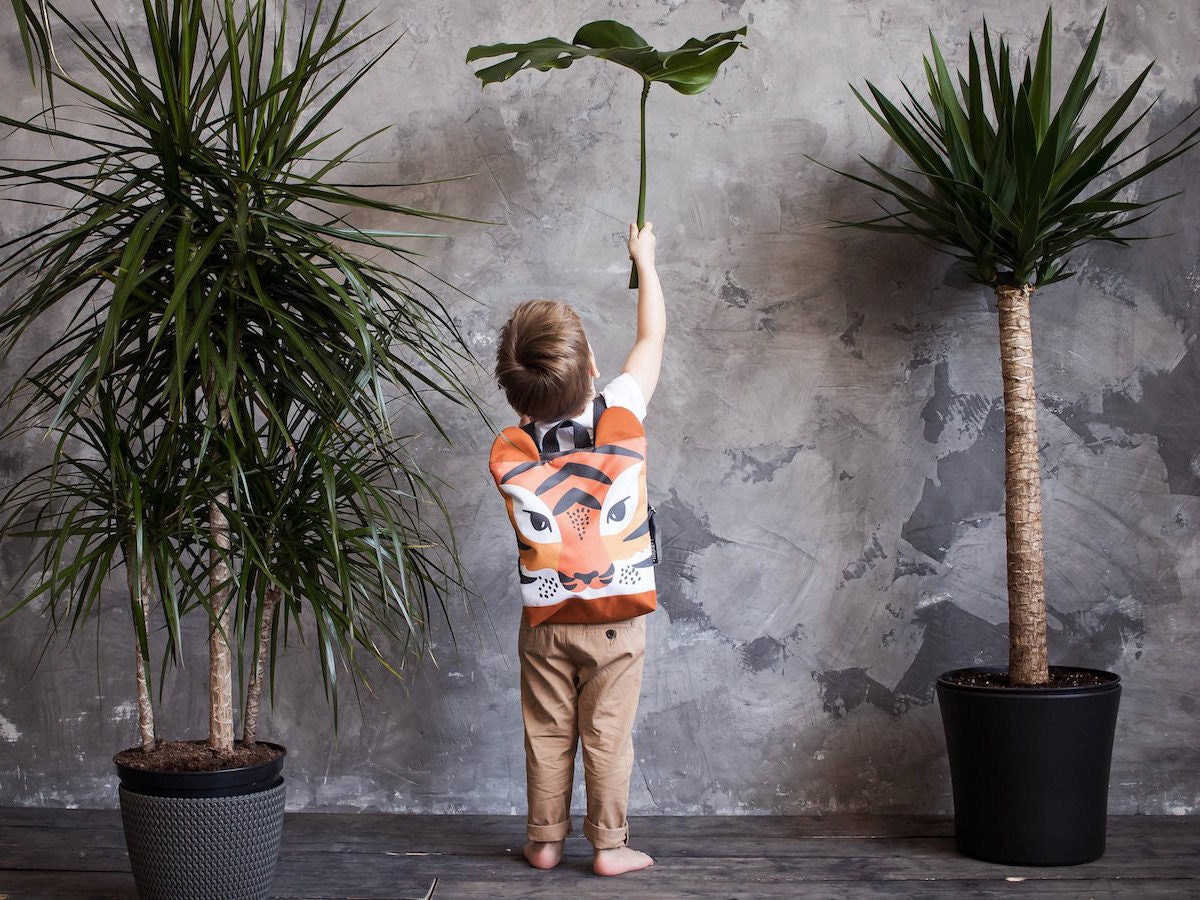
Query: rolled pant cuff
[[605, 838], [548, 833]]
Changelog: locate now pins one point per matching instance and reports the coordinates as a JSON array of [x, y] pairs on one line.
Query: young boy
[[574, 480]]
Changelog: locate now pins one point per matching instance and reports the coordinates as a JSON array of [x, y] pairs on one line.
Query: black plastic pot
[[1030, 768], [223, 783], [194, 835]]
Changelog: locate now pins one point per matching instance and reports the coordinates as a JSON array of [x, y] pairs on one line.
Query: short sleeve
[[625, 391]]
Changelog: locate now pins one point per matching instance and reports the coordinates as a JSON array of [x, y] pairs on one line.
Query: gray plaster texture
[[826, 440]]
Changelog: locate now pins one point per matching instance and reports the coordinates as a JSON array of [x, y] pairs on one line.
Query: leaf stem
[[641, 212]]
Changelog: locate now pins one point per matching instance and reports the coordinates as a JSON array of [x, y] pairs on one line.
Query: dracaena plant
[[1007, 180], [689, 69], [220, 395], [340, 525]]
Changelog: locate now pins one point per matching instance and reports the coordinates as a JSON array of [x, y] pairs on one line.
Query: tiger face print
[[580, 518]]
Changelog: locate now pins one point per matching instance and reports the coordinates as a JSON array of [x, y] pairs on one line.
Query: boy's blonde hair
[[544, 363]]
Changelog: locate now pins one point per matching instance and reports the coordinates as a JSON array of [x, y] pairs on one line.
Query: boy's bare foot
[[544, 854], [619, 860]]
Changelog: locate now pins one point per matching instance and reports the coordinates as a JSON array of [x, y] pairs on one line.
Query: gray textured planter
[[215, 848]]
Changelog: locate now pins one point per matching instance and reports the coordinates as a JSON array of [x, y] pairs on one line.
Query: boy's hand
[[641, 245]]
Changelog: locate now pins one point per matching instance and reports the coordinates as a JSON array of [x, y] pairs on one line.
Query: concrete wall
[[826, 439]]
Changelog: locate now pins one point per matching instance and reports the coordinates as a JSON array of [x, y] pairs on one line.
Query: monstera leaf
[[689, 70]]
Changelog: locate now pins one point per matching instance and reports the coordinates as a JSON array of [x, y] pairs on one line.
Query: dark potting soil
[[195, 756], [1059, 678]]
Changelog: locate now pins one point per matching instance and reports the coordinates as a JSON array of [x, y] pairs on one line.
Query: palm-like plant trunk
[[254, 695], [220, 661], [139, 593], [1022, 491]]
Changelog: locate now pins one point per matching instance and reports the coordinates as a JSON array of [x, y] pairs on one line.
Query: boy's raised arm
[[645, 359]]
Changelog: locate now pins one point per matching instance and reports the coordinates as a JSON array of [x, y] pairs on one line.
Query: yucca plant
[[220, 394], [1004, 179], [688, 69]]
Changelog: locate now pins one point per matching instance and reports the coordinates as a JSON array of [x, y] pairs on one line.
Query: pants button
[[611, 633]]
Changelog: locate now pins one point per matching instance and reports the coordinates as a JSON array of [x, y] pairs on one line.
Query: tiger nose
[[594, 579]]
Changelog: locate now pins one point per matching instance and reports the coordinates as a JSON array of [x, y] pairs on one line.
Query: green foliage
[[689, 69], [111, 492], [33, 27], [225, 328], [330, 513], [1006, 180]]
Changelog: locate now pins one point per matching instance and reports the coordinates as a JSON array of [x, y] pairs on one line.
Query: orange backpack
[[585, 531]]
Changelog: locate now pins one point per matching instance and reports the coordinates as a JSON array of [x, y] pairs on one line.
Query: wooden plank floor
[[81, 853]]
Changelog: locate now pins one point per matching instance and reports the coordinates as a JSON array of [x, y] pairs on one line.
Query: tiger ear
[[618, 425], [512, 447]]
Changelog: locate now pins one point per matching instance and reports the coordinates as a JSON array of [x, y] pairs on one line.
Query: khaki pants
[[580, 682]]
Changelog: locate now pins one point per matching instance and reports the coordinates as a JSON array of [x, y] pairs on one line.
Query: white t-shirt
[[621, 391]]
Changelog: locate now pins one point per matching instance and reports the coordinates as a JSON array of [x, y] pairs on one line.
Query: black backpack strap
[[530, 428], [579, 434]]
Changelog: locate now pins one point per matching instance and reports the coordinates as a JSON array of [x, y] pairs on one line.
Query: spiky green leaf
[[1016, 187]]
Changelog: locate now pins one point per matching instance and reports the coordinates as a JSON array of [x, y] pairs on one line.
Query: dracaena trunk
[[220, 658], [1027, 663], [254, 694], [139, 594]]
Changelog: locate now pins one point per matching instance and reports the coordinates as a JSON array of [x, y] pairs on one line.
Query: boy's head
[[544, 363]]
